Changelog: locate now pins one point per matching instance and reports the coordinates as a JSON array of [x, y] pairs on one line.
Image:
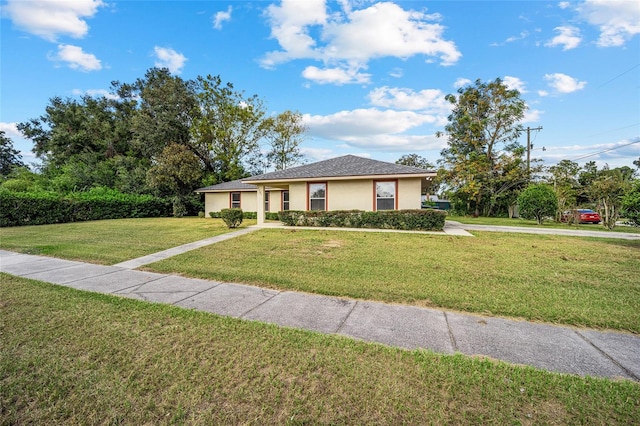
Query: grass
[[504, 221], [109, 242], [567, 280], [72, 357]]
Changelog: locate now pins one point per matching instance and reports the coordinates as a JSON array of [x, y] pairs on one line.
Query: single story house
[[343, 183]]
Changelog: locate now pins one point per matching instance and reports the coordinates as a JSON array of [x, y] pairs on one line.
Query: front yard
[[566, 280], [108, 242]]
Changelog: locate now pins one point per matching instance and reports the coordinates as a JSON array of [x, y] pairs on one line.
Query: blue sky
[[369, 77]]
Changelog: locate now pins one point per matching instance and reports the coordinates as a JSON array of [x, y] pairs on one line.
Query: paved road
[[548, 231], [549, 347]]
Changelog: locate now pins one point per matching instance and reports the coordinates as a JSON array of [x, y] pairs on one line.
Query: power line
[[606, 150], [618, 76]]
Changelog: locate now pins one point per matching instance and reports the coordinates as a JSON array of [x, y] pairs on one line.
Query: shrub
[[537, 202], [232, 217], [201, 214], [631, 204], [245, 215], [425, 220], [40, 208]]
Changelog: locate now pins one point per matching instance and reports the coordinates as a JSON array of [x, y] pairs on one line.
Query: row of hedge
[[424, 220], [17, 209]]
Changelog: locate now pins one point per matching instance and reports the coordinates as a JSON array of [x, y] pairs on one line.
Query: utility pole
[[529, 129]]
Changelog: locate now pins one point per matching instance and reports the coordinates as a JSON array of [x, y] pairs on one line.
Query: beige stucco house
[[342, 183]]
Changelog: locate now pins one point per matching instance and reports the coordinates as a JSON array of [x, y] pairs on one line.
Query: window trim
[[375, 193], [267, 201], [282, 201], [239, 199], [326, 195]]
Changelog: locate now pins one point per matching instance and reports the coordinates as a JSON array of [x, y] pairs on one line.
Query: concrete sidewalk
[[549, 347]]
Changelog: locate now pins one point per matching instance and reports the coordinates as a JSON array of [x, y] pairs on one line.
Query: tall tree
[[230, 125], [483, 126], [176, 171], [9, 157], [164, 108], [284, 133], [566, 185], [415, 160]]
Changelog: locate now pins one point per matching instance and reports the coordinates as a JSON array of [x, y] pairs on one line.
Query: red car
[[581, 216]]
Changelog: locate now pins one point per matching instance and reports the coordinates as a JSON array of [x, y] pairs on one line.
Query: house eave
[[336, 178]]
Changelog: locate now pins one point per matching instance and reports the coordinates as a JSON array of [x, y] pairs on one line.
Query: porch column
[[260, 206]]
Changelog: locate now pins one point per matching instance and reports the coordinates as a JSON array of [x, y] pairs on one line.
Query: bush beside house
[[424, 220]]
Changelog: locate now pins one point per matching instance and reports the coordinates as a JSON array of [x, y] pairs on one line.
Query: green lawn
[[72, 357], [504, 221], [110, 241], [567, 280]]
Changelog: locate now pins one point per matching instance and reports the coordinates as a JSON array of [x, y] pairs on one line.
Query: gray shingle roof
[[234, 185], [348, 165]]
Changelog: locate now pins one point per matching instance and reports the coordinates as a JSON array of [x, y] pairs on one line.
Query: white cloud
[[373, 128], [562, 83], [543, 93], [335, 75], [431, 101], [569, 38], [514, 83], [532, 116], [221, 17], [521, 36], [76, 58], [564, 5], [396, 72], [316, 154], [290, 23], [50, 19], [385, 29], [169, 58], [349, 39], [618, 21], [461, 82], [10, 130]]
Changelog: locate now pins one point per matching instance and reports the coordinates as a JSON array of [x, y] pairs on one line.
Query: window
[[266, 201], [235, 200], [386, 195], [285, 200], [317, 196]]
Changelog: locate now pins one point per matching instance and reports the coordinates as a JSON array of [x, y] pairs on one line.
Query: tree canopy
[[129, 139], [483, 159], [9, 157]]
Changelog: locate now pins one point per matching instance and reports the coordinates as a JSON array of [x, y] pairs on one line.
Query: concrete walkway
[[554, 348], [165, 254]]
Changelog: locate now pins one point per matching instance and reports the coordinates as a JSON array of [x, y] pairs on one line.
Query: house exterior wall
[[356, 194], [350, 195], [275, 200], [298, 196], [409, 191], [216, 201]]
